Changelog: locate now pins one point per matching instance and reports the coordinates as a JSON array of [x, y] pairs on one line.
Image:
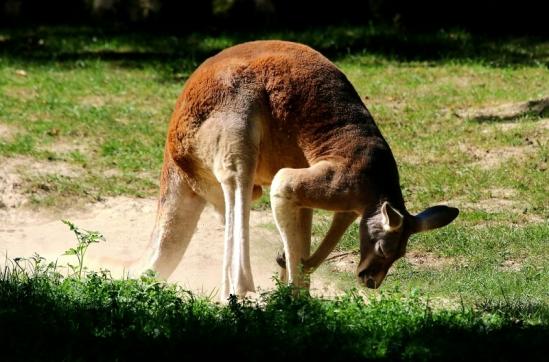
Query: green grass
[[493, 264], [92, 118], [109, 96], [52, 190], [47, 316]]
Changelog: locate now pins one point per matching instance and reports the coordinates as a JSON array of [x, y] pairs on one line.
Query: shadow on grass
[[45, 317], [134, 49]]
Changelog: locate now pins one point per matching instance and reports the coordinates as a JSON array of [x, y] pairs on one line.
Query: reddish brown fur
[[287, 111], [314, 113]]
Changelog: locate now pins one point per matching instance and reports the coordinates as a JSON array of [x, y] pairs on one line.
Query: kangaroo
[[281, 114]]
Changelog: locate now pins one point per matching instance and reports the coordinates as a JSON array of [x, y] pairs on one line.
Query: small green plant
[[84, 239]]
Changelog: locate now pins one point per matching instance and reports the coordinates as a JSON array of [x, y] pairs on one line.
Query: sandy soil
[[506, 111], [126, 224]]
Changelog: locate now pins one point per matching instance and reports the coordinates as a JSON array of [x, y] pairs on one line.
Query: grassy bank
[[44, 316]]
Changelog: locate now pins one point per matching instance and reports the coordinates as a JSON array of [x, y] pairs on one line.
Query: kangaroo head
[[384, 236]]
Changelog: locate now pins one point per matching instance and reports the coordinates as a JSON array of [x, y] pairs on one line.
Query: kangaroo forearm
[[340, 223]]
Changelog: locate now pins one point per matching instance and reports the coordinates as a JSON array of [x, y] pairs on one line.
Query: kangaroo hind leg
[[179, 209], [235, 164]]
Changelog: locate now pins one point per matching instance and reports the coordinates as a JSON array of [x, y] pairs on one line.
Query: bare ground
[[487, 159], [506, 111], [12, 184], [348, 261], [6, 132], [126, 224]]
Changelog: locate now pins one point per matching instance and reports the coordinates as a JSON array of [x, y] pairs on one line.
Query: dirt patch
[[502, 193], [459, 82], [497, 204], [92, 101], [412, 159], [539, 129], [98, 101], [427, 260], [13, 173], [28, 165], [416, 158], [491, 205], [511, 265], [66, 146], [345, 262], [507, 111], [394, 104], [11, 194], [499, 200], [505, 127], [6, 132], [487, 159], [127, 224], [21, 93], [113, 172]]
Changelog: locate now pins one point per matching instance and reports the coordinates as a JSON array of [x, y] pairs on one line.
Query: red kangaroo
[[281, 114]]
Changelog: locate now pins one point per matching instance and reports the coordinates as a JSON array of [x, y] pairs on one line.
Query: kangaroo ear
[[434, 217], [390, 217]]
